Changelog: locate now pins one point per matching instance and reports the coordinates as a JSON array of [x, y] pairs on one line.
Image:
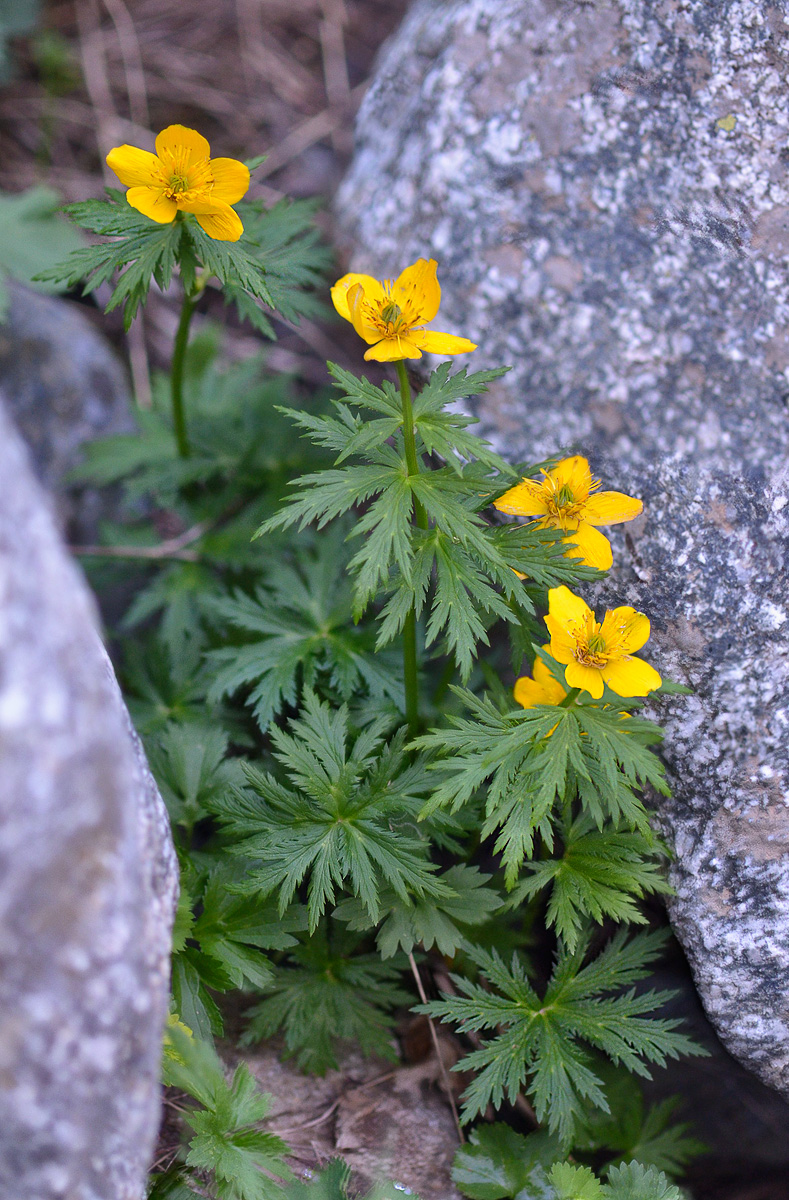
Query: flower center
[[391, 312], [178, 184], [591, 648]]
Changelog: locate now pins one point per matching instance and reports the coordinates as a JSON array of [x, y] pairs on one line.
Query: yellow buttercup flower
[[543, 688], [564, 500], [597, 653], [390, 316], [182, 177]]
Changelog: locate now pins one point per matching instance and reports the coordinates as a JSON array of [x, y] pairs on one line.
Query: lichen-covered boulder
[[605, 188], [88, 881], [63, 386]]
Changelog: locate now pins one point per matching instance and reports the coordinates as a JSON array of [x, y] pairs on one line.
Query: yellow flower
[[542, 689], [599, 653], [182, 177], [390, 315], [563, 500]]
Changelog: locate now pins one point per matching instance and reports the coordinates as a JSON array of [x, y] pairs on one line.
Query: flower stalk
[[177, 374], [410, 667]]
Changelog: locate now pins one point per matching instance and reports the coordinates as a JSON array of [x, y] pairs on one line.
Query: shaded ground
[[276, 77]]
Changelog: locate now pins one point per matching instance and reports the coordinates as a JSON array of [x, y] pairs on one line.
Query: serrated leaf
[[326, 995], [344, 819], [537, 1043], [632, 1181], [497, 1162]]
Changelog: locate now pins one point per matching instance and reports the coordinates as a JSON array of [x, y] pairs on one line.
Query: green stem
[[412, 462], [177, 374], [570, 698], [410, 667], [411, 674]]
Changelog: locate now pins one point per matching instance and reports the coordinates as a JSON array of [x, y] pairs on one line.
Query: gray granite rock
[[88, 881], [605, 188], [64, 387]]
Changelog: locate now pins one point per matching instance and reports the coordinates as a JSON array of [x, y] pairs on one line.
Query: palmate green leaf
[[301, 620], [143, 250], [233, 929], [222, 948], [536, 1043], [601, 873], [498, 1163], [345, 818], [531, 758], [192, 999], [171, 1185], [630, 1131], [427, 921], [632, 1181], [286, 241], [226, 1141], [325, 995], [445, 433], [190, 766], [276, 255]]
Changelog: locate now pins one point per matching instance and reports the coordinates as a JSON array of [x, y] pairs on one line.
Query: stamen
[[391, 311]]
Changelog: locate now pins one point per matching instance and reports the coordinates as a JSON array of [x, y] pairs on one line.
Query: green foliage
[[467, 562], [226, 1146], [537, 1047], [600, 874], [323, 996], [301, 622], [500, 1164], [312, 867], [533, 758], [630, 1131], [442, 921], [341, 817], [221, 948], [275, 256], [191, 768], [332, 1184], [32, 235]]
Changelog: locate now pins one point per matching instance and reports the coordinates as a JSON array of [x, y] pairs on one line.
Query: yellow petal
[[543, 676], [134, 168], [223, 224], [184, 144], [562, 645], [372, 289], [589, 679], [574, 473], [231, 180], [566, 608], [359, 311], [153, 203], [526, 499], [392, 350], [625, 628], [631, 677], [418, 288], [592, 547], [528, 692], [610, 508], [433, 342]]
